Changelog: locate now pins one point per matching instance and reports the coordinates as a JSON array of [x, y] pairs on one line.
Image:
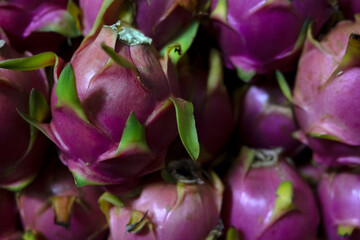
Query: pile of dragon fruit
[[180, 119]]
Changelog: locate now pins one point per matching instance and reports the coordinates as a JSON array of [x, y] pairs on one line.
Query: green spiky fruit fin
[[232, 234], [351, 57], [246, 158], [181, 192], [64, 24], [75, 12], [283, 203], [219, 187], [216, 232], [63, 208], [107, 201], [186, 126], [32, 235], [16, 187], [216, 75], [345, 231], [245, 75], [138, 221], [39, 110], [302, 36], [133, 135], [107, 5], [220, 12], [127, 12], [81, 181], [311, 41], [284, 86], [119, 59], [176, 48], [34, 62], [326, 137], [66, 92], [184, 38], [44, 128], [279, 2]]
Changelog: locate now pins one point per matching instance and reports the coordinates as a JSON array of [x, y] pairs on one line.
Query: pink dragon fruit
[[110, 106], [266, 119], [265, 199], [325, 95], [213, 109], [339, 200], [9, 220], [52, 207], [34, 24], [252, 45], [349, 8], [166, 210], [21, 147]]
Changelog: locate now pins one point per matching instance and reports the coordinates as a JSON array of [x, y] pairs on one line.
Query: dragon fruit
[[109, 112], [325, 95], [52, 207], [264, 198], [339, 200], [349, 8], [37, 25], [213, 110], [21, 147], [266, 119], [166, 210], [9, 217], [252, 45]]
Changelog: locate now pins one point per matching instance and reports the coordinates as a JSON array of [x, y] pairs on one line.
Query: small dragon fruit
[[349, 8], [266, 119], [339, 200], [325, 95], [252, 45], [109, 112], [166, 210], [265, 199], [52, 207], [33, 24], [9, 220], [213, 109], [21, 147]]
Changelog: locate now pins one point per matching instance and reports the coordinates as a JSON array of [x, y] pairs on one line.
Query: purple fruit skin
[[249, 42], [266, 119], [108, 94], [329, 108], [15, 87], [9, 221], [161, 20], [339, 200], [20, 19], [37, 214], [193, 217], [249, 200], [349, 8]]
